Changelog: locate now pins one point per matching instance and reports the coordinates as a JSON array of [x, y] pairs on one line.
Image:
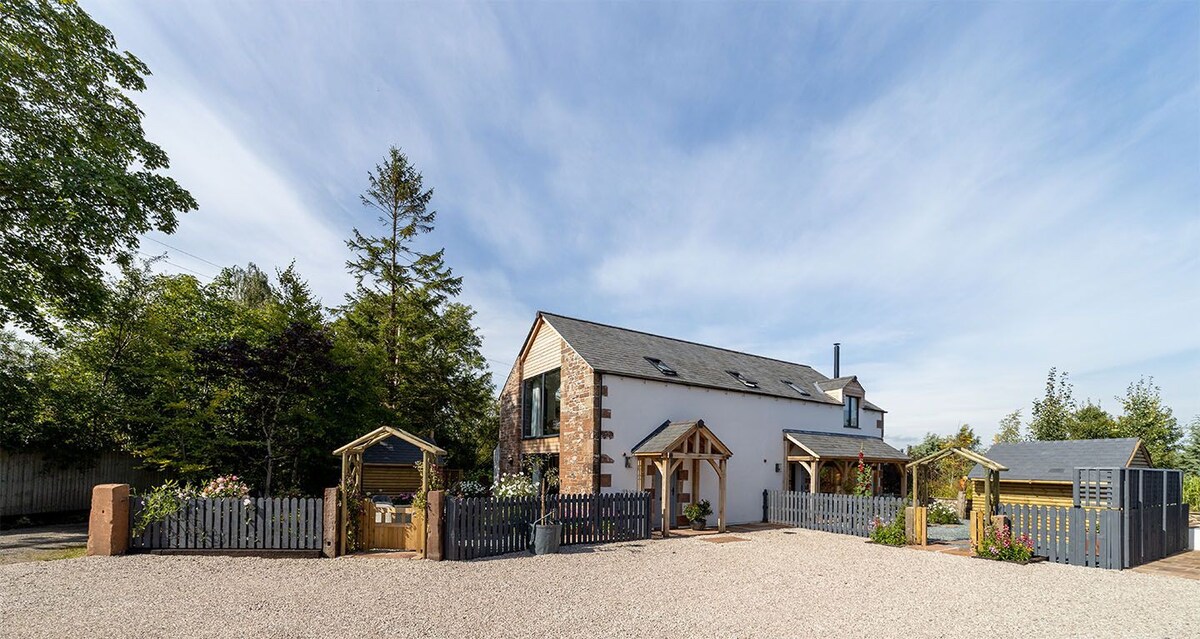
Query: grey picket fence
[[232, 524], [844, 514], [1075, 536], [486, 526]]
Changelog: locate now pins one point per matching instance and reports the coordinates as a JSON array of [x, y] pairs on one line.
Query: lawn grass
[[73, 552]]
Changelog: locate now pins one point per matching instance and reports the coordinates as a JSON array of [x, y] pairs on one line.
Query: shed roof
[[842, 446], [1056, 460], [392, 450], [622, 351]]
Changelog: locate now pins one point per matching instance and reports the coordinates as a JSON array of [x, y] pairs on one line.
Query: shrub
[[515, 485], [1000, 544], [940, 513], [468, 488], [1191, 492], [225, 487], [890, 534], [697, 510]]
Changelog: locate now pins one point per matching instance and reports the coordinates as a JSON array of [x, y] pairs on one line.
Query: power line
[[179, 250], [179, 266]]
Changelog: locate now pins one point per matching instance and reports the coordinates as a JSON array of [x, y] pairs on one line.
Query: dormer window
[[793, 386], [746, 381], [850, 411], [662, 367]]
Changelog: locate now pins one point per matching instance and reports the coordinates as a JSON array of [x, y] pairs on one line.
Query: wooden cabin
[[1041, 473]]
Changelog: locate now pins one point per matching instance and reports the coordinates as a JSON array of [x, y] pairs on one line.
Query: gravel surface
[[778, 583]]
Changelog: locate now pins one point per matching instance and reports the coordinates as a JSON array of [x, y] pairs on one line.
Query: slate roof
[[835, 445], [609, 349], [1056, 460], [392, 450], [836, 383], [662, 437]]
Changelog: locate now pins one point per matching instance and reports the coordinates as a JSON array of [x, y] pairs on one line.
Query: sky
[[964, 195]]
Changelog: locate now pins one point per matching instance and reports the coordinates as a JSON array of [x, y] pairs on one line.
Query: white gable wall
[[750, 425]]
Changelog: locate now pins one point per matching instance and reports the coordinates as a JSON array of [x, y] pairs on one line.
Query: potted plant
[[697, 513], [547, 531]]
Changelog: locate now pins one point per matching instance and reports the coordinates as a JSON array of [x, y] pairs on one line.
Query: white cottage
[[619, 409]]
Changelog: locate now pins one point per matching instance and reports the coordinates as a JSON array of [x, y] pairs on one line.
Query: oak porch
[[674, 444]]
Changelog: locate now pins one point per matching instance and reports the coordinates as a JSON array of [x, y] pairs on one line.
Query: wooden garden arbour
[[670, 446], [915, 514], [352, 468]]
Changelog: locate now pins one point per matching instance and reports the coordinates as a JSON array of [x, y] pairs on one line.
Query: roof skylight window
[[746, 381], [662, 367], [793, 386]]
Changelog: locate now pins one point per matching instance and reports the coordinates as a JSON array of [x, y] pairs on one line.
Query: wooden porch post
[[903, 481], [666, 496], [695, 481], [814, 476], [721, 506]]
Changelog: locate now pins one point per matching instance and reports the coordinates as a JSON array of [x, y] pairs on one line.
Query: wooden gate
[[391, 527]]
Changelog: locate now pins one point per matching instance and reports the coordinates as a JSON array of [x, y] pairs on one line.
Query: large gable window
[[850, 412], [540, 397]]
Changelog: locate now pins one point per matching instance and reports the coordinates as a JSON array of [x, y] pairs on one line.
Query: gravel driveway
[[778, 583]]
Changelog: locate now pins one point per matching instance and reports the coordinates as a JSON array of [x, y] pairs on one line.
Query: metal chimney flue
[[837, 359]]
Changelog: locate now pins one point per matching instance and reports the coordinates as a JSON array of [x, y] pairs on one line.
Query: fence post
[[434, 517], [329, 523], [108, 524]]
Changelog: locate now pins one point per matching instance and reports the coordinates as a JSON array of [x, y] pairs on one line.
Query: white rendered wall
[[750, 425]]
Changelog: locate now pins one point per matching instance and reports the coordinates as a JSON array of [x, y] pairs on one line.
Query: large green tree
[[1144, 415], [431, 372], [1009, 431], [79, 181], [388, 267], [1054, 414], [1189, 453], [1092, 422]]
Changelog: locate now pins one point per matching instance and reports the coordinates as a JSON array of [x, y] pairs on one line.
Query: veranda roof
[[838, 446], [669, 434]]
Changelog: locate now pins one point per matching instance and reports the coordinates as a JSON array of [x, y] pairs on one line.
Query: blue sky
[[964, 195]]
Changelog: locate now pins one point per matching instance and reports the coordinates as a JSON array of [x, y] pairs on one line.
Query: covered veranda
[[808, 453], [677, 451]]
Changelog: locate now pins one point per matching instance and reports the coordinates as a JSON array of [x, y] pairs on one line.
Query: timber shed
[[1042, 472]]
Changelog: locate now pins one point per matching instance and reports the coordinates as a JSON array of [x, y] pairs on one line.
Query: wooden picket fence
[[232, 524], [485, 526], [844, 514]]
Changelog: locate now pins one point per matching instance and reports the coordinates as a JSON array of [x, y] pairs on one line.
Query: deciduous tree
[[79, 182]]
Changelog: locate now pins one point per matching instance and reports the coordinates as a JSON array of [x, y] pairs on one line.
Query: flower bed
[[1001, 545]]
